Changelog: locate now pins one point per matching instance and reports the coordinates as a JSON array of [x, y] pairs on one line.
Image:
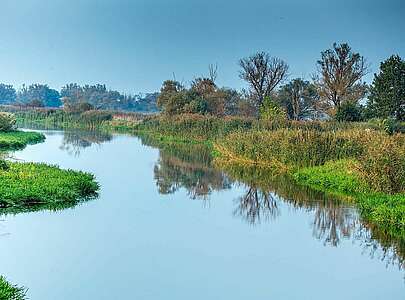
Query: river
[[168, 225]]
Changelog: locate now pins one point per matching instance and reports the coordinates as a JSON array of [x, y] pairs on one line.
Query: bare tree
[[263, 73], [339, 73], [213, 72]]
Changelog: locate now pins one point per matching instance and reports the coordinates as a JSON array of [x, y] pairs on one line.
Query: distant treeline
[[41, 95]]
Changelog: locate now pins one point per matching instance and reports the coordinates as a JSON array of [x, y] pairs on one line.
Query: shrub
[[9, 291], [350, 112], [7, 122]]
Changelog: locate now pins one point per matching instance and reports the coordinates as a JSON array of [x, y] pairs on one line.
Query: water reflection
[[186, 166], [74, 141], [333, 220]]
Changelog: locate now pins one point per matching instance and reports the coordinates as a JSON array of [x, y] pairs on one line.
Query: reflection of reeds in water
[[333, 219], [76, 140], [190, 166]]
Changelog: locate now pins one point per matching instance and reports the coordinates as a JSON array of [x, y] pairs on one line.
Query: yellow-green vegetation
[[25, 185], [15, 140], [341, 178], [9, 291]]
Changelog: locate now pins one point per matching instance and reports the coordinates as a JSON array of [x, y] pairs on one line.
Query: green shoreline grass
[[9, 291], [16, 140], [28, 184], [387, 211]]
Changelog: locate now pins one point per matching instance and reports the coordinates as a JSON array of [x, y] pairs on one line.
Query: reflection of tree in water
[[76, 140], [186, 166], [256, 205], [333, 219]]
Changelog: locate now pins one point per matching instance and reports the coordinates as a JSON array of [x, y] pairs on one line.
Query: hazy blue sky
[[134, 45]]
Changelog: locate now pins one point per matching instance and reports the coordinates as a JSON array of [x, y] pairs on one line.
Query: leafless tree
[[340, 71], [213, 72], [263, 73]]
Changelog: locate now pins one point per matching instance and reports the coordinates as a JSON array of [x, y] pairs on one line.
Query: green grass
[[9, 291], [16, 140], [338, 178], [25, 185]]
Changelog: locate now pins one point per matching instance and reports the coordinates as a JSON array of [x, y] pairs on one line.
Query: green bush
[[7, 122], [9, 291]]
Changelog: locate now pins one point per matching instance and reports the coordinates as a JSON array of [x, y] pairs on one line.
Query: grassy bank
[[16, 140], [28, 184], [9, 291], [339, 178]]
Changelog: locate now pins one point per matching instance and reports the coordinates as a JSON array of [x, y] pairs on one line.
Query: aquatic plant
[[30, 184], [15, 140]]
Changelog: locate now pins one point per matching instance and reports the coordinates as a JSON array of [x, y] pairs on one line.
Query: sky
[[133, 46]]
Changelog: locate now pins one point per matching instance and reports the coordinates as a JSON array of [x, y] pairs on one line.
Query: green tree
[[387, 96], [271, 111], [349, 111], [299, 98], [41, 92], [7, 94]]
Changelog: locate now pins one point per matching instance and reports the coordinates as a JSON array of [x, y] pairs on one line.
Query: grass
[[340, 178], [28, 184], [9, 291], [16, 140]]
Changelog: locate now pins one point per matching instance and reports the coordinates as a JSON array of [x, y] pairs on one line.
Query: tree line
[[336, 90], [73, 96]]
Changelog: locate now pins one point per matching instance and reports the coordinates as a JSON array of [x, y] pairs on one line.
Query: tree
[[298, 97], [349, 111], [263, 73], [387, 97], [271, 111], [168, 90], [339, 75], [41, 92], [8, 94]]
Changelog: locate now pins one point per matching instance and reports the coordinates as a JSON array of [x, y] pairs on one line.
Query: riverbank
[[16, 140], [24, 185], [303, 150]]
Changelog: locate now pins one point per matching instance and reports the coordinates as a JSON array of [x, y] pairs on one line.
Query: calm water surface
[[167, 225]]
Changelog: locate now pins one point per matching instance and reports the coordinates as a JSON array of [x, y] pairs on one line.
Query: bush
[[349, 112], [7, 122], [9, 291]]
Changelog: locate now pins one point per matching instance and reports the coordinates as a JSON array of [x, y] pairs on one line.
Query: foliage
[[339, 73], [19, 139], [271, 111], [383, 164], [299, 98], [7, 122], [26, 184], [338, 177], [349, 111], [41, 93], [9, 291], [387, 98], [8, 94], [102, 98]]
